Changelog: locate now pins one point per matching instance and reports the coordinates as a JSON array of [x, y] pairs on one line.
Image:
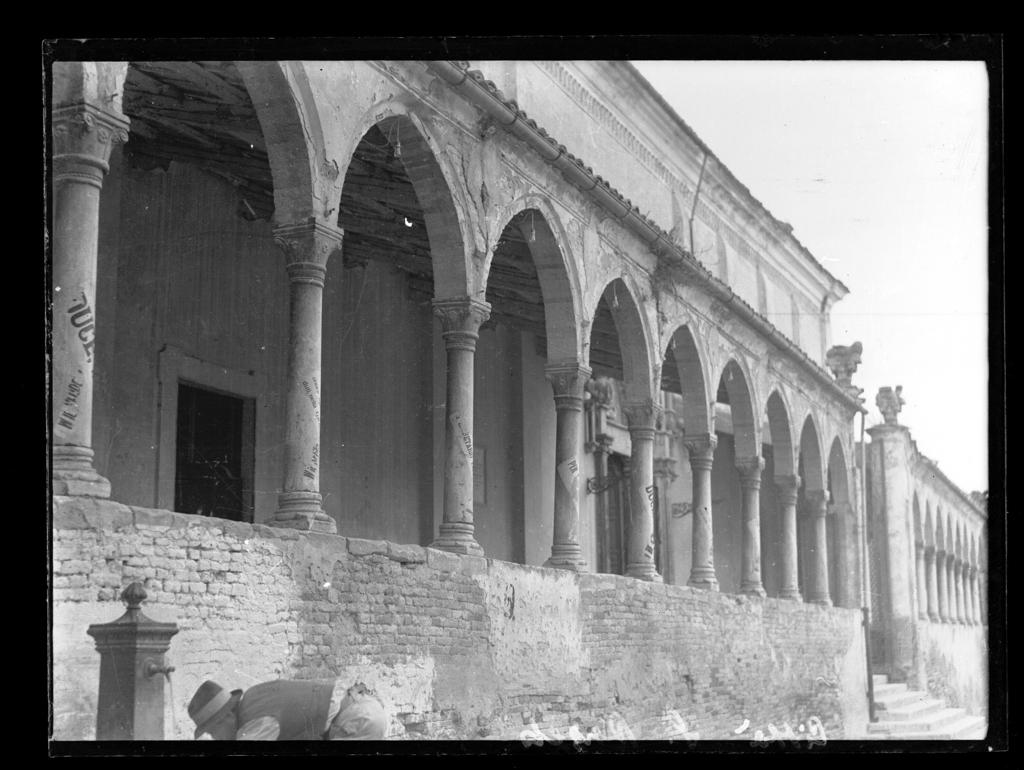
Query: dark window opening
[[214, 460]]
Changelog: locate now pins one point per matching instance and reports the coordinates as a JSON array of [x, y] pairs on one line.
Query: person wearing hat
[[288, 710]]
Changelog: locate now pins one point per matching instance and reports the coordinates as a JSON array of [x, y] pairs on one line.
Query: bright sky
[[881, 168]]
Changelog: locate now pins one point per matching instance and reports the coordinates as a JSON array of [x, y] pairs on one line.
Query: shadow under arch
[[619, 343], [691, 373], [403, 146], [532, 248], [780, 425]]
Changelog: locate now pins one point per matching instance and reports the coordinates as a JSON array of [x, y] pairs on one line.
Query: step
[[897, 699], [967, 728], [878, 679], [890, 689], [912, 712], [932, 723]]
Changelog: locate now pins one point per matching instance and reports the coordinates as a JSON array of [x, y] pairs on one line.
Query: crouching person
[[288, 710]]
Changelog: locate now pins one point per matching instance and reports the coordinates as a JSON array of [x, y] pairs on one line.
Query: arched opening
[[781, 465], [687, 414], [931, 597], [532, 323], [191, 298], [811, 470], [738, 441], [620, 363], [383, 357], [921, 587], [842, 548]]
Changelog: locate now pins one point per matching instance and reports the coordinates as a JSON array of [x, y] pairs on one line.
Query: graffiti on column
[[312, 393], [466, 443], [69, 412], [82, 320], [314, 465], [652, 498], [568, 471]]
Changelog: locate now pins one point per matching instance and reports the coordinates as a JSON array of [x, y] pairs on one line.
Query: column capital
[[461, 319], [83, 137], [817, 502], [642, 415], [750, 469], [567, 378], [702, 449], [788, 487], [307, 246]]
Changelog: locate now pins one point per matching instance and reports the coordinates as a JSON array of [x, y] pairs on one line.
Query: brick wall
[[456, 647]]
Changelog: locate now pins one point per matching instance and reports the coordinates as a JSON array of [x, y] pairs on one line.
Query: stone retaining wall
[[455, 647], [953, 664]]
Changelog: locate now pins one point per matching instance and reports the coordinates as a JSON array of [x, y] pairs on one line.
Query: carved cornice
[[83, 138], [307, 246], [461, 318]]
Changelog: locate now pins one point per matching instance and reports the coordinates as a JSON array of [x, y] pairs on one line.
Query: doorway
[[214, 465], [617, 512]]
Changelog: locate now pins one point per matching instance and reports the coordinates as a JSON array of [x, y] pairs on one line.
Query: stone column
[[640, 548], [951, 587], [961, 594], [567, 379], [940, 572], [461, 319], [983, 596], [664, 474], [83, 137], [892, 450], [818, 508], [702, 569], [788, 487], [750, 482], [933, 596], [922, 588], [975, 601], [968, 595], [307, 247]]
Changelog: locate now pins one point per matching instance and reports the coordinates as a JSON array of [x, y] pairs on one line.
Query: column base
[[821, 602], [457, 537], [933, 617], [303, 510], [644, 571], [706, 581], [74, 475], [567, 557], [753, 589], [792, 594]]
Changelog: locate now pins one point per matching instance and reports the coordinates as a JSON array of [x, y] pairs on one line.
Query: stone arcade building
[[362, 370]]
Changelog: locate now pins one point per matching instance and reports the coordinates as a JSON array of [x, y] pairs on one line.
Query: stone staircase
[[905, 714]]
